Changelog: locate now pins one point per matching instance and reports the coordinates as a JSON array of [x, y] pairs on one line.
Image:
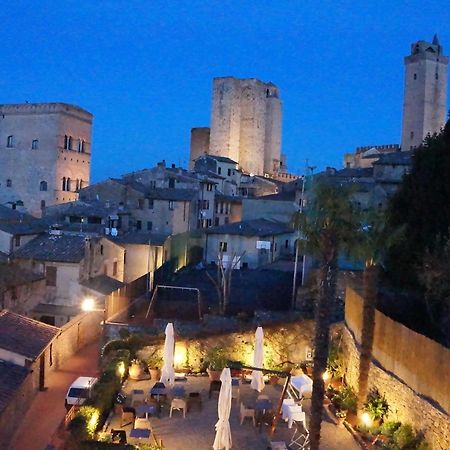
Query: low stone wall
[[405, 404], [282, 342]]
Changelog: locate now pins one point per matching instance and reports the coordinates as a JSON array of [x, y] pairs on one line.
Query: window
[[226, 220], [50, 276], [208, 222], [150, 203], [10, 141], [81, 184], [141, 203], [209, 187], [219, 170], [216, 221], [8, 182], [205, 204], [223, 247], [66, 142], [63, 187], [69, 143], [114, 269], [68, 184], [436, 75], [229, 172], [42, 204], [43, 186], [171, 205], [101, 249], [149, 226], [34, 144], [16, 241], [80, 146], [286, 243], [171, 182], [411, 135], [138, 224], [415, 76]]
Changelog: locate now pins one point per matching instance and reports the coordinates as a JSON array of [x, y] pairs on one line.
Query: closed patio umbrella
[[223, 431], [258, 361], [168, 372]]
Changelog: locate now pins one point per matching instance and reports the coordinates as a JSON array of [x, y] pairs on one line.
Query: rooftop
[[249, 228], [13, 221], [10, 276], [103, 284], [24, 336], [396, 158], [140, 237], [11, 379], [54, 247], [223, 159]]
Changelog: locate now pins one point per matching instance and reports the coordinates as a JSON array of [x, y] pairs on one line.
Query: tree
[[374, 238], [329, 227], [222, 282]]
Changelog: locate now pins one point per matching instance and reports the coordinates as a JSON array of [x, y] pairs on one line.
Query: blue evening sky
[[144, 68]]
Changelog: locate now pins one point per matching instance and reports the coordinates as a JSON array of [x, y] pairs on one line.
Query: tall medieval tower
[[246, 124], [425, 97]]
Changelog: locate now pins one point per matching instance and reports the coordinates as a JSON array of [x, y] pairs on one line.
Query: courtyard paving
[[196, 431]]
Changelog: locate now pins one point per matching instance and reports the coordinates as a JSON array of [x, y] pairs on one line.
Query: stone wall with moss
[[406, 406]]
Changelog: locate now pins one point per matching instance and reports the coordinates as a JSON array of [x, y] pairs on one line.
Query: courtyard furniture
[[178, 404], [137, 397], [263, 411], [146, 409], [168, 371], [178, 392], [194, 399], [293, 413], [222, 439], [247, 412], [257, 382], [128, 415], [140, 433], [158, 390], [142, 424], [214, 386], [299, 440], [302, 385], [119, 436], [235, 388]]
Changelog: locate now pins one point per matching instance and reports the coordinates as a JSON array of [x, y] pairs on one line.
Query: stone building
[[45, 154], [245, 126], [425, 97]]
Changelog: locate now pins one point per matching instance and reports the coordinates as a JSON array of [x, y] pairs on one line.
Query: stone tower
[[246, 124], [45, 154], [425, 97], [199, 144]]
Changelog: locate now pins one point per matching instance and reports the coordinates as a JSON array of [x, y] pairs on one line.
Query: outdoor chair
[[128, 416], [247, 412], [178, 404], [299, 441]]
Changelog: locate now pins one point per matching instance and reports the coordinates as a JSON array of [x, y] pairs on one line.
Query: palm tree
[[374, 238], [329, 227]]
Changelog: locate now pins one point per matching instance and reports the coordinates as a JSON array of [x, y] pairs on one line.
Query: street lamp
[[88, 304]]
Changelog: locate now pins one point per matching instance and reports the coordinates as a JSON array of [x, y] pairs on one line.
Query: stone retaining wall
[[405, 404]]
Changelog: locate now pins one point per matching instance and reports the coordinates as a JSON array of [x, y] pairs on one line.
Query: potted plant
[[136, 371], [154, 364], [217, 360], [341, 415], [377, 406]]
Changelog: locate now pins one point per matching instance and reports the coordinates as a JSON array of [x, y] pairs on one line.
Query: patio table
[[139, 433], [147, 409], [263, 412], [158, 390], [142, 424]]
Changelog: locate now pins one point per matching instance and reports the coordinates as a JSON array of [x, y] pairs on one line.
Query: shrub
[[124, 333], [118, 344], [344, 398], [405, 437], [84, 425], [217, 358], [376, 405], [389, 428]]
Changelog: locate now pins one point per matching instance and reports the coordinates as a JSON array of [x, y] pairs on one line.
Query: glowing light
[[366, 419], [326, 376], [93, 422], [88, 304], [121, 369], [180, 356]]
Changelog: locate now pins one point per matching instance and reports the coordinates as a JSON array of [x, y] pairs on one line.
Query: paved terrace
[[196, 431]]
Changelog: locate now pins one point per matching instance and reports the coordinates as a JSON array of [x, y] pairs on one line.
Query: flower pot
[[155, 374], [214, 375], [136, 371]]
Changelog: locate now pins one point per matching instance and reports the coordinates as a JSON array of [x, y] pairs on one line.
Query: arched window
[[10, 141], [66, 141], [34, 144], [64, 184], [42, 204], [43, 186], [83, 146], [68, 184], [8, 182], [81, 184], [69, 143]]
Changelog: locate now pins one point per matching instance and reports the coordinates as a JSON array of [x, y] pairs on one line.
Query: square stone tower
[[45, 154], [425, 98], [246, 124]]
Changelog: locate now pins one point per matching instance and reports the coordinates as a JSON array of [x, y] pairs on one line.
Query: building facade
[[45, 154], [425, 98]]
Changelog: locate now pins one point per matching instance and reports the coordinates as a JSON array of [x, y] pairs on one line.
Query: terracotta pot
[[155, 374], [214, 375], [135, 371]]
